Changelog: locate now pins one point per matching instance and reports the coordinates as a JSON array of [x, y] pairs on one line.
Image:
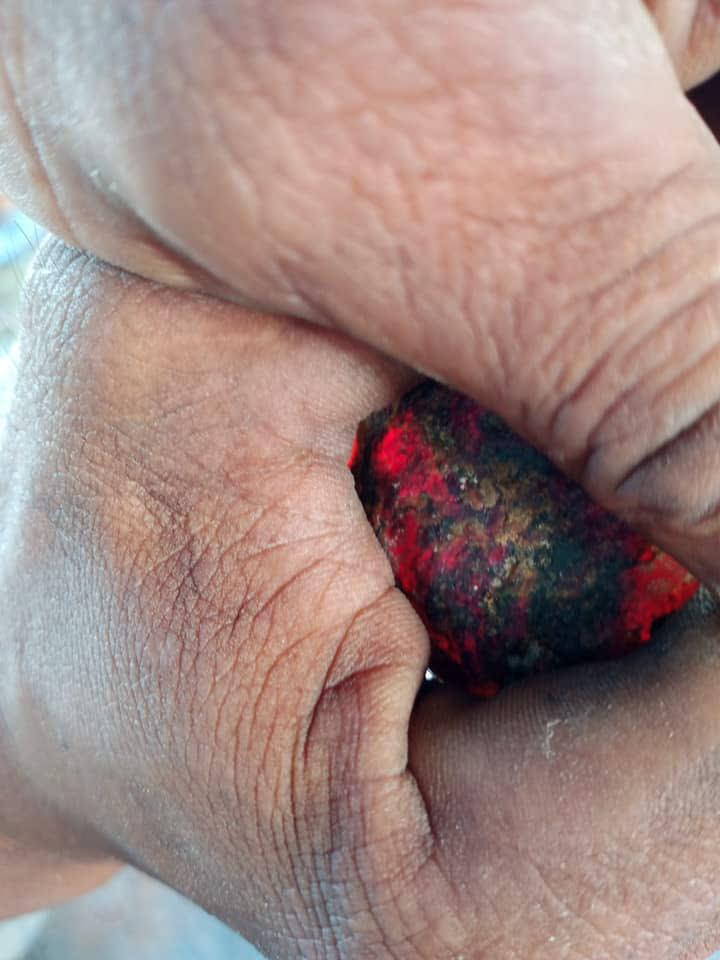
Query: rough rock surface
[[511, 566]]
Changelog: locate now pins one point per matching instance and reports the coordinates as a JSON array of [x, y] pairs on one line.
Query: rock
[[512, 567]]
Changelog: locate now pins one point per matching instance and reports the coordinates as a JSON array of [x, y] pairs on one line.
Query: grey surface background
[[130, 918]]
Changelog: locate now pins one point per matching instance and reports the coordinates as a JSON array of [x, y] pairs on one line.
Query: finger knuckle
[[636, 387]]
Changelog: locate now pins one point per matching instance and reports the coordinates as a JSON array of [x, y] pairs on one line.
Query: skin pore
[[205, 668]]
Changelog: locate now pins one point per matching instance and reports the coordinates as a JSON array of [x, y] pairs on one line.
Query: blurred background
[[130, 918]]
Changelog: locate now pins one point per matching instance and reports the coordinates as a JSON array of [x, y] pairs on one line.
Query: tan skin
[[205, 669]]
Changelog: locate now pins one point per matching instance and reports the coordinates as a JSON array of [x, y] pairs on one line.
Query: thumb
[[515, 198], [579, 297], [598, 337]]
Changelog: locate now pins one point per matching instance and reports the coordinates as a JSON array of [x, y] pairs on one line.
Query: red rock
[[511, 566]]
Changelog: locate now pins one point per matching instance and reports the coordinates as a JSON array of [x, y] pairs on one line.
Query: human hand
[[516, 198], [206, 670]]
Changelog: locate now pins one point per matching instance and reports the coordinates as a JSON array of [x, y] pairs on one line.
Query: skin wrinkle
[[588, 301], [367, 702], [330, 680], [22, 130], [270, 604], [706, 895], [613, 880], [634, 352], [676, 516], [372, 908], [241, 173], [612, 954], [680, 432], [594, 299], [317, 906], [617, 402], [597, 444], [337, 844], [184, 603]]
